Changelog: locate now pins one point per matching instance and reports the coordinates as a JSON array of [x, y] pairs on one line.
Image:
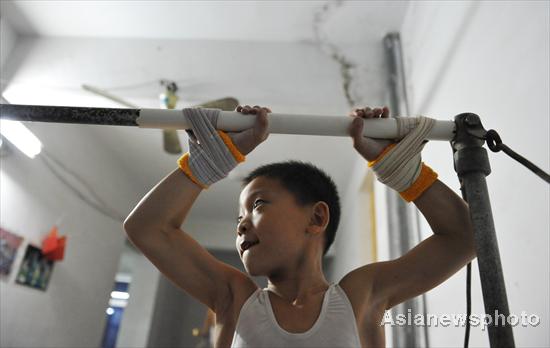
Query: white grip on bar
[[291, 124]]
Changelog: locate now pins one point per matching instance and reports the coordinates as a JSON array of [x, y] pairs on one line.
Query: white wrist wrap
[[210, 160], [400, 166]]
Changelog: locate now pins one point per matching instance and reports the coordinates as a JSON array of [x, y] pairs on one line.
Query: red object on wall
[[53, 247]]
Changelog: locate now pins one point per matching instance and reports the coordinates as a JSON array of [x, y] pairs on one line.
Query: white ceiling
[[168, 26], [283, 20]]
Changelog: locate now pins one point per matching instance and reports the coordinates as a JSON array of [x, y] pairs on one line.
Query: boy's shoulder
[[241, 287], [359, 286]]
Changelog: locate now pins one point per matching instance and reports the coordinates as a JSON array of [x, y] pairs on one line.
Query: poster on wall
[[35, 270], [9, 245]]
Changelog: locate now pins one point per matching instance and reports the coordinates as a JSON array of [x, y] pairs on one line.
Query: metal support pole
[[472, 166], [403, 223]]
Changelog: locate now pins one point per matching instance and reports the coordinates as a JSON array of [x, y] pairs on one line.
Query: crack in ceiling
[[332, 50]]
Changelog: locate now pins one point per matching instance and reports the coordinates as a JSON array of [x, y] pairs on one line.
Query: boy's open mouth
[[247, 245]]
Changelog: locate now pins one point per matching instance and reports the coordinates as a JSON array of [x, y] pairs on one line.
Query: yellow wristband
[[183, 164], [382, 154], [239, 157], [426, 178]]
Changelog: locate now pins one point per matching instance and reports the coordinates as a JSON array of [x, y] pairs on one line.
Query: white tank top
[[335, 326]]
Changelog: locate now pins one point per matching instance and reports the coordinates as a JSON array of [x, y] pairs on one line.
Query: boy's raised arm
[[154, 224], [154, 228], [436, 258], [166, 205]]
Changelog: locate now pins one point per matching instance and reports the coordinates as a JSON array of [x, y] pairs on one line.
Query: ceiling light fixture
[[21, 137]]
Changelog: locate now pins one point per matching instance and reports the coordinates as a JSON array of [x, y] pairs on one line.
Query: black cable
[[495, 144], [468, 302], [468, 283], [99, 206]]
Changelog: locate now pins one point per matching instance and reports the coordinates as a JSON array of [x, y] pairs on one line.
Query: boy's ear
[[320, 217]]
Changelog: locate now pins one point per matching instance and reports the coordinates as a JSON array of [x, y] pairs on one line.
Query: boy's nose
[[242, 227]]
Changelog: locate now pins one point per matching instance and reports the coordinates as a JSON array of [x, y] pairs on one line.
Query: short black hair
[[308, 184]]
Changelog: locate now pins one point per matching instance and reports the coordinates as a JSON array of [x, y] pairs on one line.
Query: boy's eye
[[256, 203]]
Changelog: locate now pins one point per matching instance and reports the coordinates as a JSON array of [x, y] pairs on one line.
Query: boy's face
[[271, 230]]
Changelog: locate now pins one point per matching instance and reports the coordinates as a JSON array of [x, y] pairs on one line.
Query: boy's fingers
[[247, 109], [359, 143], [262, 118], [240, 108], [356, 131], [367, 112], [359, 112], [261, 125], [261, 115], [385, 112]]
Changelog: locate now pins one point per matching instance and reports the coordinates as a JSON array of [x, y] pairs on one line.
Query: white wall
[[71, 312], [352, 246], [490, 58], [8, 39]]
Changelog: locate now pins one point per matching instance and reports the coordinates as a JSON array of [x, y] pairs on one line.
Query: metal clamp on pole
[[472, 166]]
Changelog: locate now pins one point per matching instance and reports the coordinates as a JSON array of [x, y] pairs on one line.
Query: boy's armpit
[[388, 283], [358, 286], [241, 288], [421, 269]]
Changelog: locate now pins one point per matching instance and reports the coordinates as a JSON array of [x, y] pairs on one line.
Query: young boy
[[288, 214]]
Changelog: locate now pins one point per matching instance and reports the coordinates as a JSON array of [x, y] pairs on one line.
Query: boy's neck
[[299, 284]]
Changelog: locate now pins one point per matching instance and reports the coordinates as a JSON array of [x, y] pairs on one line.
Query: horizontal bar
[[228, 121], [69, 114]]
